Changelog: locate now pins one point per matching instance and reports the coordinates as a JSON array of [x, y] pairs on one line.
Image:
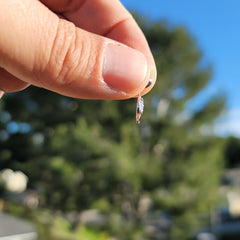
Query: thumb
[[39, 48]]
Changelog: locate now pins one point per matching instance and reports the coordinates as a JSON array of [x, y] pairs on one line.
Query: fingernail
[[124, 69]]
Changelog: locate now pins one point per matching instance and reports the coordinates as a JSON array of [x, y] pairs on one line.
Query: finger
[[9, 83], [107, 18], [49, 52], [1, 93], [139, 43]]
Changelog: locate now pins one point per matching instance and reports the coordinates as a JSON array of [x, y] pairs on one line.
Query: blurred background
[[79, 169]]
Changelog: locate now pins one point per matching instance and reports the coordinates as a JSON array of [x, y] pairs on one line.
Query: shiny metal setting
[[149, 83]]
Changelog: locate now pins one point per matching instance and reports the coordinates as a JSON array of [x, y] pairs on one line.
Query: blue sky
[[215, 24]]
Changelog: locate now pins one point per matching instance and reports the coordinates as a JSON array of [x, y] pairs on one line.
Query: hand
[[80, 48]]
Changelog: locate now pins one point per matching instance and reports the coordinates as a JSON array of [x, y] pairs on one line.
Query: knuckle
[[64, 55]]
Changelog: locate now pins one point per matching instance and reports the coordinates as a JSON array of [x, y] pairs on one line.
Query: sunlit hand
[[81, 48]]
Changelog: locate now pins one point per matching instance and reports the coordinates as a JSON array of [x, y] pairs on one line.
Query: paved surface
[[15, 228]]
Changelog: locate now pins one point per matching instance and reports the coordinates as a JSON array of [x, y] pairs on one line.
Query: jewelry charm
[[140, 104], [140, 107]]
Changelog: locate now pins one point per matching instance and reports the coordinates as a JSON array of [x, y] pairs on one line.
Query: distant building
[[226, 221], [226, 226]]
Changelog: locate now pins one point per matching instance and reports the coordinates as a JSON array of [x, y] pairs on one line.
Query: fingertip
[[124, 69], [1, 93]]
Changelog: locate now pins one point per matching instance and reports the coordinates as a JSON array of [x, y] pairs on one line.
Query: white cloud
[[229, 123]]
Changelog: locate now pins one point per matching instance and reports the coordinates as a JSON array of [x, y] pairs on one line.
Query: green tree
[[182, 141], [92, 154]]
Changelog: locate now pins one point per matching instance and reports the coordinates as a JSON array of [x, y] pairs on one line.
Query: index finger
[[107, 18]]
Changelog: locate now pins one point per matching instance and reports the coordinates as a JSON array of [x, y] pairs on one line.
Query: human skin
[[91, 49]]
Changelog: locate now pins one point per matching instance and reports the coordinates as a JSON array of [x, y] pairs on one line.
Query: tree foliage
[[91, 154]]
